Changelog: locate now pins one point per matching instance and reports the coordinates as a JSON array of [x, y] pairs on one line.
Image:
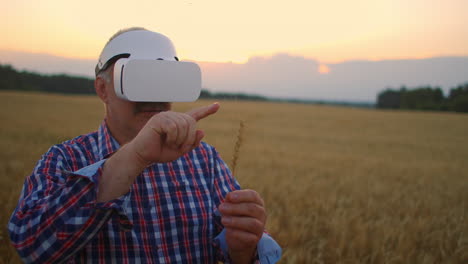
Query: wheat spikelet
[[237, 146]]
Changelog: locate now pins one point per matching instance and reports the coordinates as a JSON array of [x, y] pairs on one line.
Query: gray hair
[[120, 32], [105, 75]]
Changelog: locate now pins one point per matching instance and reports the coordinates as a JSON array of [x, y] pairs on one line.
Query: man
[[142, 189]]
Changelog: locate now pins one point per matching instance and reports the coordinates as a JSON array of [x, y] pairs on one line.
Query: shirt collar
[[107, 143]]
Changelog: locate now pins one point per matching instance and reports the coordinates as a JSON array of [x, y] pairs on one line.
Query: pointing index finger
[[204, 111]]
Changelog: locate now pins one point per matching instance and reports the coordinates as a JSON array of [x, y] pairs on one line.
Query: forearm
[[119, 173], [243, 257], [52, 228]]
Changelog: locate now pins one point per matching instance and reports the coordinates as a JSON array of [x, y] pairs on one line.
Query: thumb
[[204, 111]]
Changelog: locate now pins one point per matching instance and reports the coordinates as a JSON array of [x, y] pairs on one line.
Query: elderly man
[[143, 188]]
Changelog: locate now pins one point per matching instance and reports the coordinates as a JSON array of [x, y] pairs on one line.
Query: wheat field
[[341, 185]]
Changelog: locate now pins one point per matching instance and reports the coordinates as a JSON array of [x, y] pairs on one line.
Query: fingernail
[[234, 196], [224, 207]]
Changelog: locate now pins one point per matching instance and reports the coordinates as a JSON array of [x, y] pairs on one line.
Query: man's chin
[[148, 114]]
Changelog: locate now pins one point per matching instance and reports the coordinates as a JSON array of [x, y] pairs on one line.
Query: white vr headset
[[147, 69]]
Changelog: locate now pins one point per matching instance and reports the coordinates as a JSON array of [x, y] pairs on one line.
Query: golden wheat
[[341, 185], [237, 147]]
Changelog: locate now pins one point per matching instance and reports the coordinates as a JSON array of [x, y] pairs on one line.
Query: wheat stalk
[[237, 146]]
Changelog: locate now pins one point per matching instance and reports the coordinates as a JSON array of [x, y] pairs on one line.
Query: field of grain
[[341, 185]]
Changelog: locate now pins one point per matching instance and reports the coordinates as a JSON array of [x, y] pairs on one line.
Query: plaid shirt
[[168, 216]]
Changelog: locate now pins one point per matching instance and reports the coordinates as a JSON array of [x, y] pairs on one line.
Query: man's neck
[[118, 134]]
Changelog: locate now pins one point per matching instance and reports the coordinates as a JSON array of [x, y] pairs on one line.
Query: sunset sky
[[221, 31]]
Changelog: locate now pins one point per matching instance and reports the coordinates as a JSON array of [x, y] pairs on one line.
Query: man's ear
[[100, 86]]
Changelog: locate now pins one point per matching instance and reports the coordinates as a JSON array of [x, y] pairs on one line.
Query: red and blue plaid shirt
[[168, 216]]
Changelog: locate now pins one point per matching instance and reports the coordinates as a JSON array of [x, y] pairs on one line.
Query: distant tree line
[[11, 79], [422, 98], [425, 98], [232, 96]]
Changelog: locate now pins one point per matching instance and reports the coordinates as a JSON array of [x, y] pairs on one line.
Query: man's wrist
[[243, 257], [134, 158]]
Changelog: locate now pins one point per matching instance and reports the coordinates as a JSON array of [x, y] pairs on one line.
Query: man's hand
[[244, 218], [169, 135], [165, 137]]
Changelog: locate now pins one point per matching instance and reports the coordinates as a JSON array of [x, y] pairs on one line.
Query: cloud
[[284, 75], [46, 63], [271, 76]]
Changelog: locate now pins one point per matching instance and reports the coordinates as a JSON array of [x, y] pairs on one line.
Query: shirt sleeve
[[268, 250], [57, 213]]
